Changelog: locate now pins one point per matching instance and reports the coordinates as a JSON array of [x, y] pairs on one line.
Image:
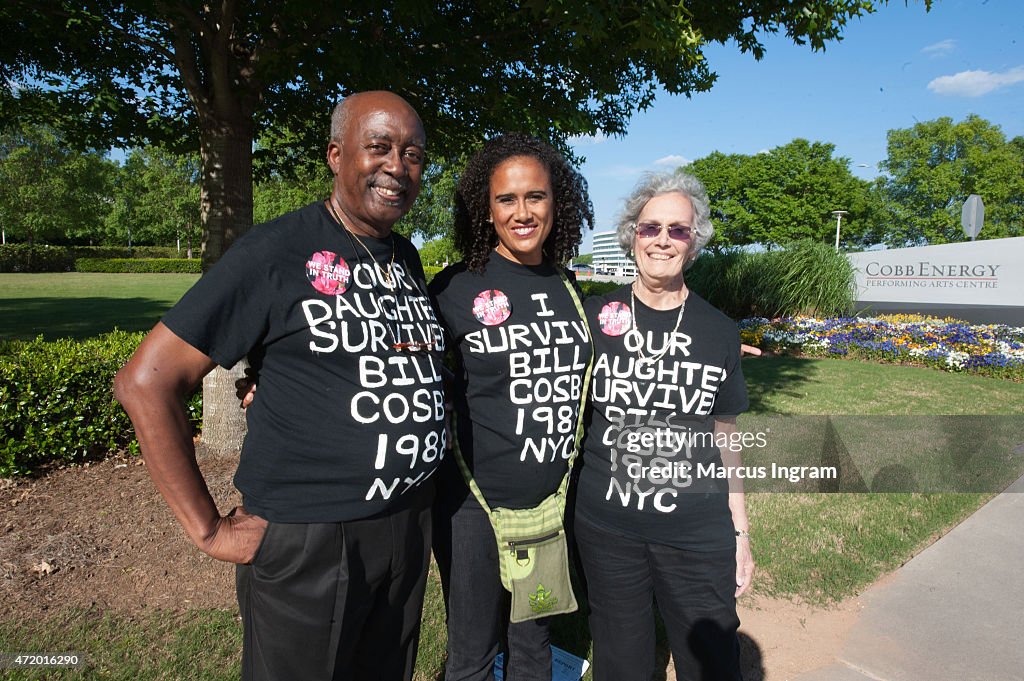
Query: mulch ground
[[99, 535]]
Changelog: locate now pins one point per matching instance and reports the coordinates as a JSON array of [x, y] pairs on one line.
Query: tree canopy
[[155, 199], [783, 195], [934, 166], [49, 192], [439, 252], [218, 75]]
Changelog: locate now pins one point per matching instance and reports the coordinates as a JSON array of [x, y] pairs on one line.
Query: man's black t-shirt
[[649, 424], [343, 424], [522, 351]]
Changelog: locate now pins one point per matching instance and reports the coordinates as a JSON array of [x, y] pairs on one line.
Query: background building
[[609, 258]]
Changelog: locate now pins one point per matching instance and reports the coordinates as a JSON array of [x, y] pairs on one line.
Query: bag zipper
[[526, 542]]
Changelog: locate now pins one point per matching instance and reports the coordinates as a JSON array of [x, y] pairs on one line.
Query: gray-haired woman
[[655, 516]]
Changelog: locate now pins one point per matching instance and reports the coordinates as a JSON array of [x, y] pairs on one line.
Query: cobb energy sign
[[979, 281]]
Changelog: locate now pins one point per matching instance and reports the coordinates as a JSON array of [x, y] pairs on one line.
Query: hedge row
[[124, 252], [56, 403], [26, 258], [138, 265]]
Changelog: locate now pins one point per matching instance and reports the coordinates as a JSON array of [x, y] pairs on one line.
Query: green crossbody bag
[[533, 555]]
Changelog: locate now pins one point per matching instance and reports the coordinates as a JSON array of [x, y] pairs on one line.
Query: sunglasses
[[652, 230], [414, 346]]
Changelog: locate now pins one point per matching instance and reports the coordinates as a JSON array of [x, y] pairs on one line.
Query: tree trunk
[[226, 209], [226, 194], [223, 419]]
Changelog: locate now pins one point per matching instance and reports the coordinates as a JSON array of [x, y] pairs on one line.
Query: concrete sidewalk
[[953, 613]]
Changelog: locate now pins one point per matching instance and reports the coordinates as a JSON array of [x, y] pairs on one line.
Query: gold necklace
[[386, 276]]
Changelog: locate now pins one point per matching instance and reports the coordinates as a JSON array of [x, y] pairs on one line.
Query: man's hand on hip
[[236, 537]]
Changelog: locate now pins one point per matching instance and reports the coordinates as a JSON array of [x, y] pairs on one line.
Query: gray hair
[[656, 184], [339, 117]]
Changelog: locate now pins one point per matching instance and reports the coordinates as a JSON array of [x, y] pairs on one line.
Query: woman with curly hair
[[521, 350]]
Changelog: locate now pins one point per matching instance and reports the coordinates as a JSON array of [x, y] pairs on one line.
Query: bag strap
[[467, 475], [563, 488]]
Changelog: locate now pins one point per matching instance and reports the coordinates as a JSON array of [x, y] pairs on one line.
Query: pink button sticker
[[615, 319], [491, 307], [328, 272]]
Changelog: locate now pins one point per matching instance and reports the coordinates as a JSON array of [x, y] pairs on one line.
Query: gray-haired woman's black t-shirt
[[521, 350], [648, 423]]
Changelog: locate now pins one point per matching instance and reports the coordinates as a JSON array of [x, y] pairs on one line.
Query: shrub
[[806, 278], [430, 271], [123, 252], [139, 265], [596, 288], [56, 403], [727, 280], [26, 258], [31, 258]]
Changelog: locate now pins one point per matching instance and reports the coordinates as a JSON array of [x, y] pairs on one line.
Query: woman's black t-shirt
[[521, 352], [650, 425]]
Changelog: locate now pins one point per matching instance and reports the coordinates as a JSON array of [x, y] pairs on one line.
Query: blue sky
[[893, 68]]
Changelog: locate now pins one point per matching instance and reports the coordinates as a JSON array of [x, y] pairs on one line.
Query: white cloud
[[673, 160], [975, 83], [940, 48], [619, 171], [587, 140]]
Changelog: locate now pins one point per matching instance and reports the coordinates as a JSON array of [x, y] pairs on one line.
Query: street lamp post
[[839, 219]]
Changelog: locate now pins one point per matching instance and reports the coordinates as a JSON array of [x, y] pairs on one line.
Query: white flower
[[1004, 348], [956, 359]]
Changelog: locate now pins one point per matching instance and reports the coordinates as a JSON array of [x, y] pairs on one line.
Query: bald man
[[332, 539]]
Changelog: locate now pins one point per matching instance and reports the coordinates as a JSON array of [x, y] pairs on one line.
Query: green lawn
[[891, 428], [81, 304], [817, 547], [798, 385]]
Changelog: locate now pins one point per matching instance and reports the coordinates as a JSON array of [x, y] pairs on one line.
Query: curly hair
[[474, 234], [656, 184]]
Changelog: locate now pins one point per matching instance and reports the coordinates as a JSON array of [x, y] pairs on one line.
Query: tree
[[156, 199], [223, 73], [439, 252], [48, 192], [278, 195], [934, 166], [434, 211], [725, 176], [784, 195]]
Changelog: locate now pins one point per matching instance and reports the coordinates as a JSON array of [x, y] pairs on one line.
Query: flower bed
[[992, 350]]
